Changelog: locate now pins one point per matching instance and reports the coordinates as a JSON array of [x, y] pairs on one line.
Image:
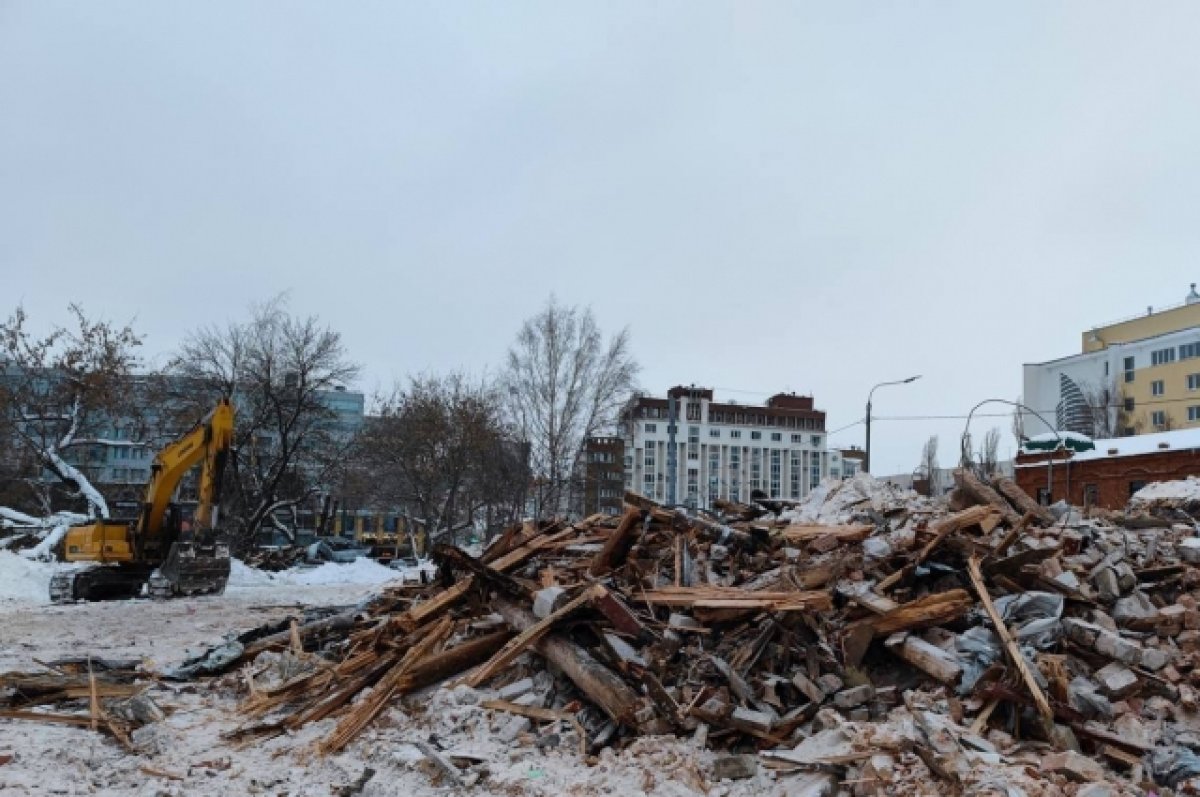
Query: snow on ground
[[186, 754], [26, 580], [360, 571]]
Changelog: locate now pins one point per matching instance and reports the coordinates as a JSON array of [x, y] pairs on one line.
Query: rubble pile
[[867, 640]]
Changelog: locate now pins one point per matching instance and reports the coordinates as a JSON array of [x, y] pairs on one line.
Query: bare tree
[[60, 394], [565, 383], [985, 460], [929, 462], [439, 448], [281, 372], [1018, 422], [989, 453]]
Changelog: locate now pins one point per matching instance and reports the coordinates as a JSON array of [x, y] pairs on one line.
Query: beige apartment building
[[1134, 376]]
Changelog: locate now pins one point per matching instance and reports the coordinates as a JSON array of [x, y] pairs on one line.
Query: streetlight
[[867, 459]]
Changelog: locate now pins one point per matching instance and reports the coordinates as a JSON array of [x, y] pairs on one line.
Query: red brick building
[[1110, 474], [603, 476]]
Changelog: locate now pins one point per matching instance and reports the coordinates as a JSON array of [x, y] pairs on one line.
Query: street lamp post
[[867, 457]]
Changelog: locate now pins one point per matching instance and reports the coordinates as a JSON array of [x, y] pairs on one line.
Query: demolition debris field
[[867, 641]]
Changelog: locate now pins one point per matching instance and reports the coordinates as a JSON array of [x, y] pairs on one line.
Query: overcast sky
[[801, 196]]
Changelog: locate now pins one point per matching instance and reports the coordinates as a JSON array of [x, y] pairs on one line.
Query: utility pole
[[672, 456]]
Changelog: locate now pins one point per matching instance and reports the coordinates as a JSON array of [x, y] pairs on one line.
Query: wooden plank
[[517, 645], [930, 659], [806, 532], [616, 548], [1010, 645]]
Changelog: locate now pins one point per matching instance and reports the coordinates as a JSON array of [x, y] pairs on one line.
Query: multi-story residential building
[[603, 474], [724, 450], [1134, 376]]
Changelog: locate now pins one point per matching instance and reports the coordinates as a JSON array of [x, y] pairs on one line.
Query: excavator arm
[[207, 442]]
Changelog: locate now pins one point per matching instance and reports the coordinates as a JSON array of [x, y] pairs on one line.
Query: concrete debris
[[866, 641]]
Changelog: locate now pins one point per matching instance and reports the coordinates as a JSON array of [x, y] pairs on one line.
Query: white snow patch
[[835, 501], [1183, 490], [26, 580], [360, 571]]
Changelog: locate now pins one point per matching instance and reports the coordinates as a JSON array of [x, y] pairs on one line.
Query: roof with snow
[[1177, 440]]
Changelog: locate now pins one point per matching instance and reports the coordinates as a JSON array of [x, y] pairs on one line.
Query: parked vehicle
[[335, 549], [421, 571]]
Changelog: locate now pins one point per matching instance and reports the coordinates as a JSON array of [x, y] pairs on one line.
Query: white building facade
[[725, 450]]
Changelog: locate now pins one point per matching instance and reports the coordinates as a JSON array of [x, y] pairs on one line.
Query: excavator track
[[98, 584], [191, 568]]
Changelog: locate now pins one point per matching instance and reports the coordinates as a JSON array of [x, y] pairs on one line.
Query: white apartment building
[[725, 450]]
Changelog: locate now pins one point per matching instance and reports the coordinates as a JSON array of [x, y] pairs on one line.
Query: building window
[[693, 443], [1159, 418], [735, 433], [693, 483], [649, 458], [1129, 405], [1156, 387], [1043, 496], [1128, 369], [1091, 494], [776, 437], [1194, 413], [756, 435], [651, 428], [816, 440], [1106, 367], [1162, 356], [1193, 381], [714, 432], [797, 438], [1189, 350]]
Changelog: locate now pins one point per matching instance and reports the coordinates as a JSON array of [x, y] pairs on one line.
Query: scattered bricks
[[1116, 680], [513, 729], [1074, 765], [1188, 601], [1118, 647], [735, 767], [1154, 659], [1081, 632], [877, 776], [808, 688], [1191, 619], [1134, 606], [854, 696], [1103, 620], [829, 683], [1188, 641], [1187, 697], [516, 689], [1072, 542], [1189, 550], [546, 601], [1106, 584], [1170, 620]]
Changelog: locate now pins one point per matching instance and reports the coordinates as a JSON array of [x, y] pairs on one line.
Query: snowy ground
[[185, 754]]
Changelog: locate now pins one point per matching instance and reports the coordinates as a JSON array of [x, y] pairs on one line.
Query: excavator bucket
[[192, 567]]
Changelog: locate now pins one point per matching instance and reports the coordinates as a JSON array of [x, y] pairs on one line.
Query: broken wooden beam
[[601, 686], [1010, 645]]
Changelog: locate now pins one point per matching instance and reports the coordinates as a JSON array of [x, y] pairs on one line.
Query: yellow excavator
[[160, 549]]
